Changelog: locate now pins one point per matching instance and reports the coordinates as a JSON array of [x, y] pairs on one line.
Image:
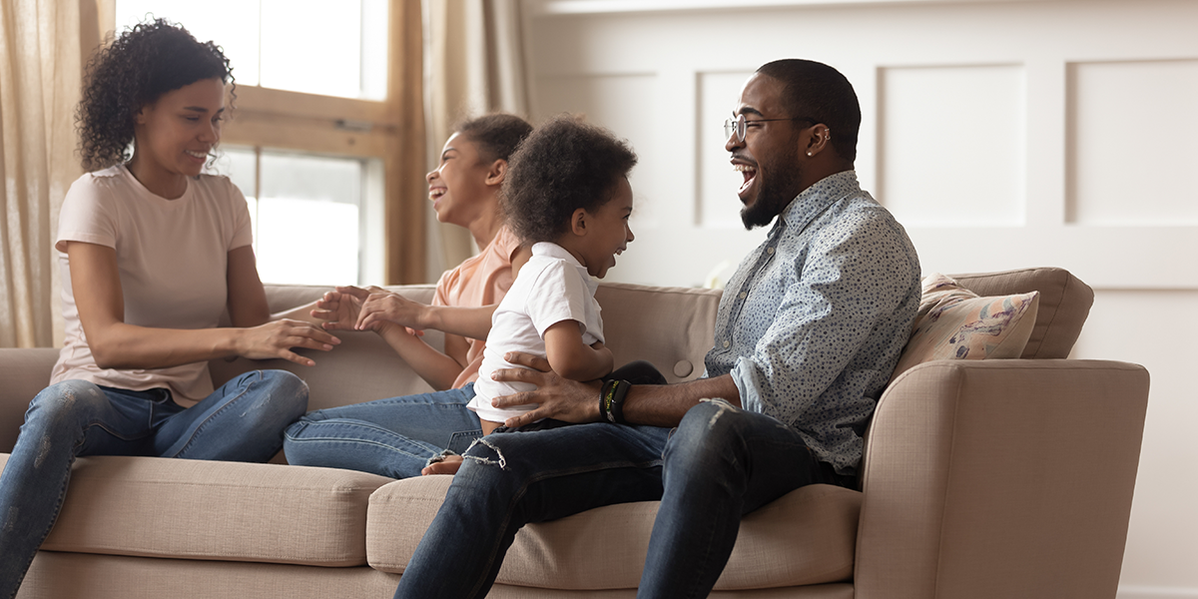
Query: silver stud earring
[[809, 153]]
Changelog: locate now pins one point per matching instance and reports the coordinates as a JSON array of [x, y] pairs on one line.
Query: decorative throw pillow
[[954, 323]]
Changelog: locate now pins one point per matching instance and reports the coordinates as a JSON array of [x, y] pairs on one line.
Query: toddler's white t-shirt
[[551, 287]]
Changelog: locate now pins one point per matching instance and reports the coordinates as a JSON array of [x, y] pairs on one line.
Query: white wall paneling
[[1002, 133], [1133, 136], [952, 142], [1145, 327], [719, 93]]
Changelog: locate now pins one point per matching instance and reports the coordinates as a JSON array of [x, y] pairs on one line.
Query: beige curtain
[[40, 71], [474, 64]]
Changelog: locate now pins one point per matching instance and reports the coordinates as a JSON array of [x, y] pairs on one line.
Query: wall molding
[[583, 7], [1146, 592]]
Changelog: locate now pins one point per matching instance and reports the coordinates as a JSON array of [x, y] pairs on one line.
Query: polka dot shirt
[[812, 323]]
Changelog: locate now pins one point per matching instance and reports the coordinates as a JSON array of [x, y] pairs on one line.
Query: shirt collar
[[553, 250], [815, 199]]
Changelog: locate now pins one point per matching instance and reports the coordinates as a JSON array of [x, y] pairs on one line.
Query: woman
[[152, 253], [464, 189]]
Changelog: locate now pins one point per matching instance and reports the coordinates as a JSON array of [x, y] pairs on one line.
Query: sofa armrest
[[1003, 478], [23, 374]]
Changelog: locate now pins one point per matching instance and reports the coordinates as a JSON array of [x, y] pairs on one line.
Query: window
[[332, 205], [310, 46], [315, 139]]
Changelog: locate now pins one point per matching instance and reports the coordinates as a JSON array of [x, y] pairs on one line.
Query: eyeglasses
[[740, 123]]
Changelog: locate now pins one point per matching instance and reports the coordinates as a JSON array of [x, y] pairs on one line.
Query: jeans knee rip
[[43, 451], [10, 523], [723, 406], [502, 463]]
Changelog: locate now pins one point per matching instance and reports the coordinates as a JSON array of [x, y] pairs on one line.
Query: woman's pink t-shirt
[[173, 259]]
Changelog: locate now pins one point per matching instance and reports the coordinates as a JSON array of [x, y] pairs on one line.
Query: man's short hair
[[816, 90]]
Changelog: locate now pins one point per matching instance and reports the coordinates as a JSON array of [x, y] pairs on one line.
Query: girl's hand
[[277, 338], [385, 306], [340, 308], [449, 465]]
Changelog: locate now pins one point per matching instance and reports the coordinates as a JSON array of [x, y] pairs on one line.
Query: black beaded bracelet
[[606, 394], [611, 400], [617, 404]]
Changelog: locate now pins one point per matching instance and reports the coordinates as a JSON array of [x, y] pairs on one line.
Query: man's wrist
[[611, 400]]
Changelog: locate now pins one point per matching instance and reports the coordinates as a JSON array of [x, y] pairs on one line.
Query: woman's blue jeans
[[242, 421], [717, 465], [393, 437]]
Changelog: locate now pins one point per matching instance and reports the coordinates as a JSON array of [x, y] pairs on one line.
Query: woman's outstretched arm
[[95, 280]]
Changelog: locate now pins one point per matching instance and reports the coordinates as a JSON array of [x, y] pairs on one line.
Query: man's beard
[[776, 191]]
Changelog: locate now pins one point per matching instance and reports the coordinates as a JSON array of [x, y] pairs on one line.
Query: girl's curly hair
[[497, 134], [563, 165], [134, 70]]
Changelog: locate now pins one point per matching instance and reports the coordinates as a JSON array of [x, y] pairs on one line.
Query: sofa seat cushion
[[193, 509], [805, 537]]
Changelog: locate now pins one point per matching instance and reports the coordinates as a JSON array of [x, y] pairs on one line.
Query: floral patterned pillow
[[954, 323]]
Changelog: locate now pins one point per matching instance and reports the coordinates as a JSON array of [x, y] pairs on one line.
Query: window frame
[[391, 130]]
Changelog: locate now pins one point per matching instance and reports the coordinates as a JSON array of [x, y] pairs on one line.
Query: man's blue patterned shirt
[[812, 323]]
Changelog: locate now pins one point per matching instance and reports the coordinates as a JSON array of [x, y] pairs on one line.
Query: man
[[808, 332]]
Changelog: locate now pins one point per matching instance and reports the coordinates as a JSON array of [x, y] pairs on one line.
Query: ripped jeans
[[717, 465], [242, 421]]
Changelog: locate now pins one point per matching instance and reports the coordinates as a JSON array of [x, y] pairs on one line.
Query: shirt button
[[743, 295], [769, 250], [726, 344]]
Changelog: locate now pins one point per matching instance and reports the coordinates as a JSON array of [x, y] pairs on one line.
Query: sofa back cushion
[[1064, 305], [362, 368], [671, 327]]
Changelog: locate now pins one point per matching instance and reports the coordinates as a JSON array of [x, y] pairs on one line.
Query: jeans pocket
[[459, 442]]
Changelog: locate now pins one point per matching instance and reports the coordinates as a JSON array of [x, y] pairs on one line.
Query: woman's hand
[[556, 397], [277, 338], [382, 306]]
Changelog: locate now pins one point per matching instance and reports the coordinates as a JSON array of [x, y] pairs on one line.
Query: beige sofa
[[999, 478]]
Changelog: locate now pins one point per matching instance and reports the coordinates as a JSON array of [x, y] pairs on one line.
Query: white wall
[[1003, 134]]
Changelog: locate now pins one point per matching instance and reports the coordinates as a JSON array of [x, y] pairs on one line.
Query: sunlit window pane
[[231, 24], [311, 46], [315, 219], [238, 164]]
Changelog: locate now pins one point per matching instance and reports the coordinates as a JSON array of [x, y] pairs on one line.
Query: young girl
[[464, 190], [396, 436], [567, 185], [152, 254]]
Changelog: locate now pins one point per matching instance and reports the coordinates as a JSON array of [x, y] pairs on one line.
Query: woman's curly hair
[[132, 71], [563, 165]]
